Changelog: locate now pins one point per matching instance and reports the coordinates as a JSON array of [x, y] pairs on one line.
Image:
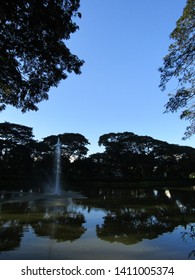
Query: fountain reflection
[[52, 218], [101, 216]]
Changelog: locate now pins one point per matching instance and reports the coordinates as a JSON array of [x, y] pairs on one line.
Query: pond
[[100, 223]]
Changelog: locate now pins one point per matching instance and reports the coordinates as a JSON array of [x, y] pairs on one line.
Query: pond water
[[101, 223]]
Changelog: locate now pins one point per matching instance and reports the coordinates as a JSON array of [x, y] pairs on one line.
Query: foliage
[[73, 145], [33, 55], [16, 147], [15, 133], [131, 155], [179, 64], [126, 155]]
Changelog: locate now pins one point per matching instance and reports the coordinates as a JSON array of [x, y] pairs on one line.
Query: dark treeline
[[25, 161]]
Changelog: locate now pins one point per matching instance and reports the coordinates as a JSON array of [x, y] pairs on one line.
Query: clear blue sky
[[123, 43]]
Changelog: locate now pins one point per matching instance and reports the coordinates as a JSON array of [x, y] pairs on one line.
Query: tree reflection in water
[[129, 217], [137, 214], [189, 233], [51, 219]]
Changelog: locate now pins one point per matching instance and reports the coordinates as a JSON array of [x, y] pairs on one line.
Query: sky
[[123, 44]]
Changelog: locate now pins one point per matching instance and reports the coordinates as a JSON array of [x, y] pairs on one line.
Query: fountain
[[57, 189]]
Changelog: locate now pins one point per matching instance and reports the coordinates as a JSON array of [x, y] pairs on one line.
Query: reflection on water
[[103, 224]]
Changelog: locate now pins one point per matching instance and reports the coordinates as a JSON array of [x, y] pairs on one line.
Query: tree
[[129, 154], [15, 134], [33, 55], [136, 156], [16, 150], [179, 64], [73, 145]]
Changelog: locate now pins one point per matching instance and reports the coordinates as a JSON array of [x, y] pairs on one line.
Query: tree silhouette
[[33, 55], [179, 64]]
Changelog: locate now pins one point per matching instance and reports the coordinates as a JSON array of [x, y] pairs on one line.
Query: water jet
[[57, 189]]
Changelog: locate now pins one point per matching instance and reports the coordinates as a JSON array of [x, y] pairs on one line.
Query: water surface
[[101, 223]]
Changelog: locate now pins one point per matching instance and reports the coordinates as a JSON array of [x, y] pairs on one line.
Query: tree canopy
[[34, 56], [179, 64], [16, 148], [15, 134], [127, 155], [73, 145], [132, 155]]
